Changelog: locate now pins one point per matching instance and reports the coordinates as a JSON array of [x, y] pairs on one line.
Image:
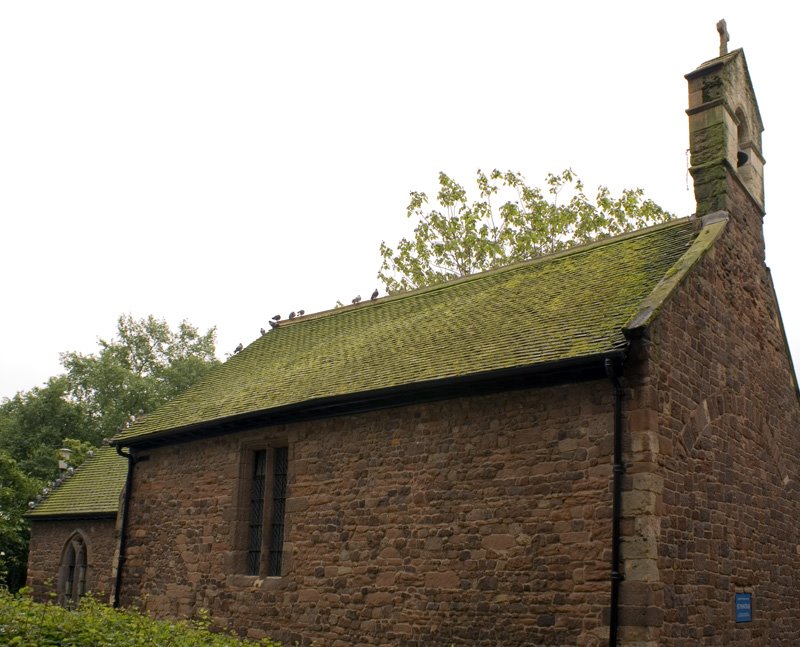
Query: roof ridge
[[52, 486], [100, 457], [718, 60], [576, 249], [569, 304]]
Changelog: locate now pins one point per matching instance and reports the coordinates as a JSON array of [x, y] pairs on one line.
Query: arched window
[[72, 577]]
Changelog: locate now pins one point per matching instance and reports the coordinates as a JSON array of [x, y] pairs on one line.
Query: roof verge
[[713, 225]]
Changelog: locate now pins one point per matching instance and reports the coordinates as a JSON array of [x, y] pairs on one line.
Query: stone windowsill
[[255, 582]]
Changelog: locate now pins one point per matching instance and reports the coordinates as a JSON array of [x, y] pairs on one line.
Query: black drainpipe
[[619, 469], [123, 537]]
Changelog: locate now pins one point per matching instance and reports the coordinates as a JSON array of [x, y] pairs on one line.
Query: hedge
[[93, 624]]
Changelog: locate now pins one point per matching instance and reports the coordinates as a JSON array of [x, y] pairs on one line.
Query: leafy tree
[[143, 366], [79, 450], [510, 221], [16, 489], [34, 424]]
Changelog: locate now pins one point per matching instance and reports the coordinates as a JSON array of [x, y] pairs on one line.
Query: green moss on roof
[[93, 489], [560, 307], [651, 306]]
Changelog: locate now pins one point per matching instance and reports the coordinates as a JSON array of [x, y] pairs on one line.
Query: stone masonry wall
[[715, 427], [48, 539], [473, 521]]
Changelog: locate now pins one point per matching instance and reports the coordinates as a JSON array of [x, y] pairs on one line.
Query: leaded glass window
[[280, 474], [256, 522], [73, 570], [266, 506]]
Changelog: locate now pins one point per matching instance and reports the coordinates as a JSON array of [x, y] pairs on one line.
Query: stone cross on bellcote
[[724, 37]]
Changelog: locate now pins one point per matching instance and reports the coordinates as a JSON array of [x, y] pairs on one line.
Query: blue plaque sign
[[744, 607]]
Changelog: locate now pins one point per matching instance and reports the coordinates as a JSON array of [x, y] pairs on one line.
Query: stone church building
[[600, 446]]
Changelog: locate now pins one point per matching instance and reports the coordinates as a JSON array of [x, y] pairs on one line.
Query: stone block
[[378, 598], [639, 502], [443, 580], [642, 420], [308, 595], [499, 543], [642, 569]]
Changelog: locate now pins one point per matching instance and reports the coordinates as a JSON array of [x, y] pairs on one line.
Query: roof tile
[[93, 489], [559, 307]]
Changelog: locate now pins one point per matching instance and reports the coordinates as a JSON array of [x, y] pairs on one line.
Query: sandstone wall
[[474, 521], [48, 539], [715, 428]]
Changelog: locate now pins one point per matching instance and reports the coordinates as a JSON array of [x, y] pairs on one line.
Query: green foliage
[[16, 489], [142, 367], [462, 237], [24, 622], [79, 450], [33, 425]]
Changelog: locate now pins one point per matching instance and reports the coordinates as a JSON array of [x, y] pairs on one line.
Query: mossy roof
[[93, 490], [565, 306]]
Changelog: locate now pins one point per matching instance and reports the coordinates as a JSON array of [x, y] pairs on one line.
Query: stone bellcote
[[724, 132]]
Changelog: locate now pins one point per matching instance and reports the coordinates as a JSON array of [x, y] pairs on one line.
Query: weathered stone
[[499, 542], [48, 539], [308, 595], [444, 580], [379, 598]]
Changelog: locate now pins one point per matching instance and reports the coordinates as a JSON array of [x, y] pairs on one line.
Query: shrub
[[25, 623]]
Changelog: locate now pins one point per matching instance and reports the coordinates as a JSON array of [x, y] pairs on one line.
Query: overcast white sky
[[224, 161]]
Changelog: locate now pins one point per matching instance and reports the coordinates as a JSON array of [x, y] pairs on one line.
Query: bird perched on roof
[[357, 299], [374, 295], [276, 318], [263, 332], [300, 313], [238, 348], [273, 324], [292, 315]]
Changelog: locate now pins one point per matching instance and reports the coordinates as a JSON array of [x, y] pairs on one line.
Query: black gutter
[[123, 536], [70, 516], [619, 469], [544, 374]]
